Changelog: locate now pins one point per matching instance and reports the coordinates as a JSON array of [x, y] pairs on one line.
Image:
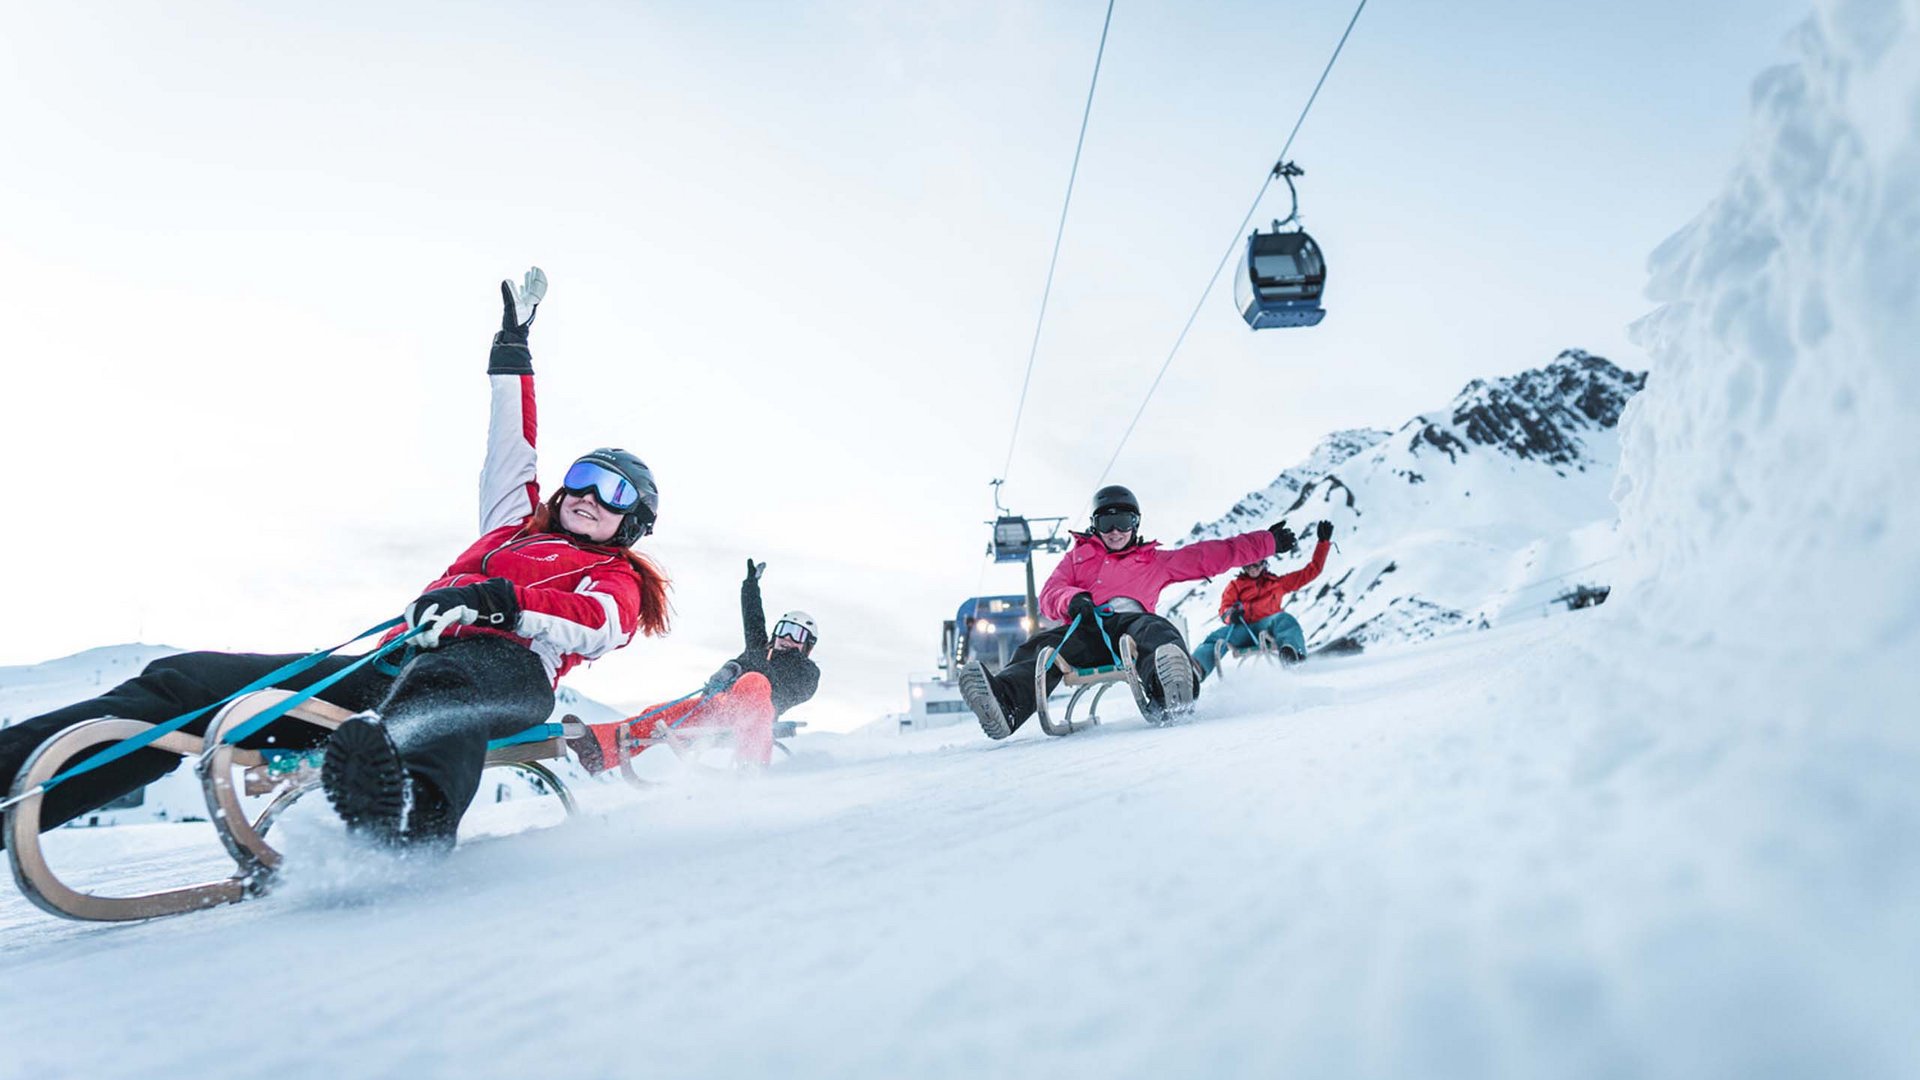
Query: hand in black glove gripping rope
[[723, 680], [1082, 607], [489, 603]]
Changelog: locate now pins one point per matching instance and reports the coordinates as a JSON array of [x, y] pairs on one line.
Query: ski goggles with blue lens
[[1112, 520], [792, 631], [613, 490]]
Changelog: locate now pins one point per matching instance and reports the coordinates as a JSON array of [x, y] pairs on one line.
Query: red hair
[[654, 611]]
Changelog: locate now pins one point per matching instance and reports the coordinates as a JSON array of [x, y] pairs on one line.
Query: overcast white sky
[[249, 257]]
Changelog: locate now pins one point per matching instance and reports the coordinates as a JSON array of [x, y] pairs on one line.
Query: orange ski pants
[[746, 709]]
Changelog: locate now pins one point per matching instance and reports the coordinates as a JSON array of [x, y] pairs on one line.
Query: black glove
[[1233, 613], [510, 355], [754, 570], [1082, 607], [490, 603], [1325, 531], [723, 679], [1283, 540]]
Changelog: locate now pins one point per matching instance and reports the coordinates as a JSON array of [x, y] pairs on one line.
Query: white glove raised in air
[[525, 297]]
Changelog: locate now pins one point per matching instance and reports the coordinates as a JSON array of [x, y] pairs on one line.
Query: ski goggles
[[613, 490], [792, 631], [1116, 520]]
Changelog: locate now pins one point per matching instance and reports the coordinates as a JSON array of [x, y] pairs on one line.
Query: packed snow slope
[[1372, 866], [1489, 510]]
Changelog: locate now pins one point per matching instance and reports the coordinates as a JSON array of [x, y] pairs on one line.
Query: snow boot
[[598, 747], [431, 823], [977, 687], [364, 779], [1173, 670]]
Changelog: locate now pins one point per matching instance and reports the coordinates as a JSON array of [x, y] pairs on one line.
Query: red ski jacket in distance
[[577, 601], [1142, 571], [1265, 595]]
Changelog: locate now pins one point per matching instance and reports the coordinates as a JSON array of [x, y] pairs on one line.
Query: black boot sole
[[587, 748], [365, 781], [976, 686], [1174, 672]]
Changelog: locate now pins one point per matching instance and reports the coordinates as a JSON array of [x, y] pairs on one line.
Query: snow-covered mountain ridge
[[27, 690], [1490, 509], [1540, 415]]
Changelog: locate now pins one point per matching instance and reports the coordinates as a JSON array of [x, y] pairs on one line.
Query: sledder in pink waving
[[1114, 577]]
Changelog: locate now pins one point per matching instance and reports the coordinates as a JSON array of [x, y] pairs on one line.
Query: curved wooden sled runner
[[226, 774], [1266, 649], [1098, 679]]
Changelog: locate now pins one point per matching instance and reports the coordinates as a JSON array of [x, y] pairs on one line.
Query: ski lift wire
[[1059, 234], [1233, 246]]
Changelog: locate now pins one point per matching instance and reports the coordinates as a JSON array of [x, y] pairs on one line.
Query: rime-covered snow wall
[[1770, 472], [1750, 685]]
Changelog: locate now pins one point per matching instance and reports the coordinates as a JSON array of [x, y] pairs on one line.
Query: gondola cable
[[1238, 240], [1046, 293]]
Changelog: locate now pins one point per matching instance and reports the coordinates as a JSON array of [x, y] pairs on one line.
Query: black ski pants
[[1013, 684], [442, 709], [449, 702]]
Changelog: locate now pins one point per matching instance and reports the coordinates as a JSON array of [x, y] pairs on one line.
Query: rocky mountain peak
[[1496, 507], [1537, 415]]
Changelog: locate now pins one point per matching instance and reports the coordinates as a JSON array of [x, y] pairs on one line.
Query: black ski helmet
[[638, 521], [1114, 497]]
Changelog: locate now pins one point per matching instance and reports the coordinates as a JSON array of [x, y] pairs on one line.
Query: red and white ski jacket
[[578, 601], [1265, 596]]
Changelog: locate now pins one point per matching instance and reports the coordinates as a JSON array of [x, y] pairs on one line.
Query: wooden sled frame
[[1098, 679], [244, 838]]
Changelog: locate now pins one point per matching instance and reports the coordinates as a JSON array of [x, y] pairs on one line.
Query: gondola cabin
[[1012, 539], [1281, 281]]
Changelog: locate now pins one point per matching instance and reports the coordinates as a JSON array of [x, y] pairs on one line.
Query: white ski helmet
[[797, 626]]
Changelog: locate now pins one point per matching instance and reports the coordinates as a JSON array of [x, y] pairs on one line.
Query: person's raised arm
[[1210, 557], [753, 616], [1298, 578], [509, 481]]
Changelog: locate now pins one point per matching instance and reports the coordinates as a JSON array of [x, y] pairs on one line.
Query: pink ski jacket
[[1143, 570]]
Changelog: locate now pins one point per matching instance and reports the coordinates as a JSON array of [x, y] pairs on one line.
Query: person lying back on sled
[[1112, 572], [1251, 607], [548, 585], [745, 696]]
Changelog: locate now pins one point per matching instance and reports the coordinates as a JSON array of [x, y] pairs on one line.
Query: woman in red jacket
[[548, 584], [1251, 607]]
